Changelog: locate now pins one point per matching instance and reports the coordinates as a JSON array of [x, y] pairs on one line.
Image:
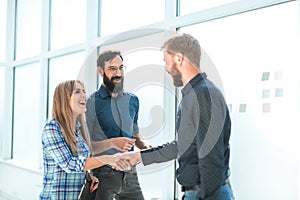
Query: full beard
[[110, 86], [177, 78]]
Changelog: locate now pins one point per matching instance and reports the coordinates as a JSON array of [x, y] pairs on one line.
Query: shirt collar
[[194, 81], [104, 93], [78, 125]]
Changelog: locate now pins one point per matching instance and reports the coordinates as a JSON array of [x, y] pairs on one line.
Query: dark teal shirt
[[109, 117]]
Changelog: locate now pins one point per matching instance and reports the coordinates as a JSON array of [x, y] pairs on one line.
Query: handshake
[[125, 161]]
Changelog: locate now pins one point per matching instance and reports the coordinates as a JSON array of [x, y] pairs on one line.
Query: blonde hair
[[62, 113]]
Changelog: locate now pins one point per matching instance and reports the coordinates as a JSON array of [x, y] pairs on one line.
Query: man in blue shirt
[[203, 127], [112, 119]]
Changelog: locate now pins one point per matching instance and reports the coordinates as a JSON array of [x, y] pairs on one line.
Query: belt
[[197, 187]]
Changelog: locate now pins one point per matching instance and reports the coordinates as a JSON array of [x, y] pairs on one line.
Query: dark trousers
[[117, 184]]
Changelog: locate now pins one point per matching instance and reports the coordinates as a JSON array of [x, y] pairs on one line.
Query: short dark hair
[[107, 55]]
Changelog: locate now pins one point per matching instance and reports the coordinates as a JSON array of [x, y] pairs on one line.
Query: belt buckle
[[187, 188], [197, 187]]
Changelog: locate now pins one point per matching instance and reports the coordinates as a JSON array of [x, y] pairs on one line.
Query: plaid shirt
[[63, 175]]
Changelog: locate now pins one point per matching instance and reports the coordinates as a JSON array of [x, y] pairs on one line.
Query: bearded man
[[112, 116]]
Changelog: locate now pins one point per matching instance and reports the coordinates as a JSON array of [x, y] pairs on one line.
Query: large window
[[190, 6], [61, 69], [146, 78], [26, 127], [2, 29], [2, 87], [118, 16], [257, 56], [28, 30], [68, 23]]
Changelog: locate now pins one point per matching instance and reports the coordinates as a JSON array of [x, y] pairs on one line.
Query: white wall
[[17, 183]]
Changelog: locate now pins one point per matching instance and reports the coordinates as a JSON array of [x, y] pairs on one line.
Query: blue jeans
[[226, 193]]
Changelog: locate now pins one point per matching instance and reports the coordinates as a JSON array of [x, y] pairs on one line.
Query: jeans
[[226, 193], [117, 185]]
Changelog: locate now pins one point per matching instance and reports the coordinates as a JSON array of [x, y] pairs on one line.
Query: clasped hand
[[125, 161]]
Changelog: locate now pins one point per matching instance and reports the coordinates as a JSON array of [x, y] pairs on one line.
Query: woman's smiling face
[[78, 100]]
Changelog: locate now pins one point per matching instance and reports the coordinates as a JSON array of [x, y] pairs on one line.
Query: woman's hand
[[133, 157], [94, 184], [115, 162]]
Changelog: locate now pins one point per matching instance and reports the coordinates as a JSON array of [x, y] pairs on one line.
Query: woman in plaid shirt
[[66, 145]]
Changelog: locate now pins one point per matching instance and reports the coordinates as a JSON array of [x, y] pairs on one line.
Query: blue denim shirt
[[109, 117]]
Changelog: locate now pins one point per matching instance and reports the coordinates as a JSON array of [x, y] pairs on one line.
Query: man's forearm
[[159, 154], [101, 146]]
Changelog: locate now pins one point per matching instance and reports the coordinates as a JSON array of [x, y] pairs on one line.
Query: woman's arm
[[114, 161]]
